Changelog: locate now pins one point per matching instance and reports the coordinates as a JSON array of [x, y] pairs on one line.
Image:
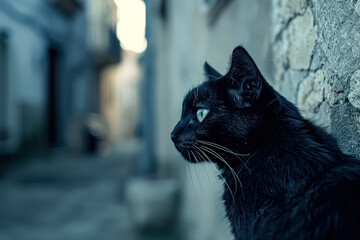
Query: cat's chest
[[248, 216]]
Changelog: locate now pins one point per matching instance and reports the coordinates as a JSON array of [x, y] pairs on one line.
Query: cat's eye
[[201, 114]]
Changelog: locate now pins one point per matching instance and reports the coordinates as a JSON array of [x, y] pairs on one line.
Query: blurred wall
[[307, 49], [185, 34], [50, 66], [120, 99]]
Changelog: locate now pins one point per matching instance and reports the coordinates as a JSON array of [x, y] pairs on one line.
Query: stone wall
[[316, 57]]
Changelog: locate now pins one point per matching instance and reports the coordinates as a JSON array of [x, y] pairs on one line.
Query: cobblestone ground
[[67, 197]]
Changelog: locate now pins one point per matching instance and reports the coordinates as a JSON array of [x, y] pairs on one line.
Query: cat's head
[[226, 112]]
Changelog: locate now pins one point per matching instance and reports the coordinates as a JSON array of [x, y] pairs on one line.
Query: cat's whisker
[[190, 176], [226, 183], [247, 161], [212, 164], [270, 102], [188, 152], [223, 148], [215, 145], [196, 160], [215, 154], [209, 75], [203, 159], [222, 159], [233, 80]]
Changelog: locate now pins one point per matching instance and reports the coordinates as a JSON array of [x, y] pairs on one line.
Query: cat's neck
[[286, 164], [289, 159]]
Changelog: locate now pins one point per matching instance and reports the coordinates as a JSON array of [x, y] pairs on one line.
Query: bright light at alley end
[[130, 28]]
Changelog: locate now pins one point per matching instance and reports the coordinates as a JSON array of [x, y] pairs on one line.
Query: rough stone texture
[[302, 36], [357, 7], [290, 84], [354, 94], [294, 41], [312, 91], [284, 11], [316, 54], [345, 124]]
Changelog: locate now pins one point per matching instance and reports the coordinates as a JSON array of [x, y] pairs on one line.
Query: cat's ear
[[245, 80], [210, 73]]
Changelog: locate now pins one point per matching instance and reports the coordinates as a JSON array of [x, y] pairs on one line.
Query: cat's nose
[[174, 136]]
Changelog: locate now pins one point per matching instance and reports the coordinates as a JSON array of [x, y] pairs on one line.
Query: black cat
[[285, 178]]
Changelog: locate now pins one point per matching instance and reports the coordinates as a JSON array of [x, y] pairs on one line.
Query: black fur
[[293, 180]]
